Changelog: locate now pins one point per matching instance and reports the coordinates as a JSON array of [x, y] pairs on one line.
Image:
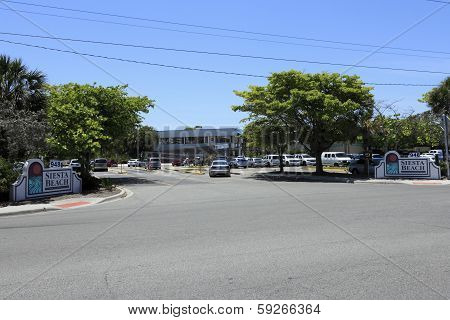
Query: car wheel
[[304, 163], [355, 172], [336, 164]]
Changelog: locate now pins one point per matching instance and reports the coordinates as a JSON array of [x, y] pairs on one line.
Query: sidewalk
[[46, 205]]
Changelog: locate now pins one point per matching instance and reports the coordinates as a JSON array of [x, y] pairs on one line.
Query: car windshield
[[257, 159], [100, 161], [341, 155], [306, 156], [220, 163], [275, 157], [289, 157]]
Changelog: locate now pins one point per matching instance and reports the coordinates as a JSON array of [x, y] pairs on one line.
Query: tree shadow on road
[[276, 176], [132, 181]]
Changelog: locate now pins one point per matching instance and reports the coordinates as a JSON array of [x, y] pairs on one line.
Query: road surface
[[184, 236]]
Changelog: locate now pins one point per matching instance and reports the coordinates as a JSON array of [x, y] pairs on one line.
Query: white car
[[75, 164], [306, 159], [335, 159], [290, 160], [133, 163], [437, 152], [429, 156], [271, 160]]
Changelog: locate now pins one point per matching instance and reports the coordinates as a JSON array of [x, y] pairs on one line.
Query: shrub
[[7, 177], [443, 166], [90, 183], [107, 184]]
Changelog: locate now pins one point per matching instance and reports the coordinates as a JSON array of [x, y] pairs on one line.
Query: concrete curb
[[49, 207], [30, 211], [309, 178], [121, 194]]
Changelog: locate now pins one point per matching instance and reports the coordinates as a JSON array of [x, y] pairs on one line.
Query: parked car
[[75, 164], [256, 163], [290, 160], [154, 163], [133, 163], [271, 160], [143, 164], [177, 163], [99, 164], [239, 162], [430, 156], [112, 163], [219, 168], [335, 159], [437, 152], [356, 167], [18, 166], [306, 159]]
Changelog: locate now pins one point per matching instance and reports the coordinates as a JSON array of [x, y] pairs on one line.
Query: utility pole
[[445, 118], [137, 143]]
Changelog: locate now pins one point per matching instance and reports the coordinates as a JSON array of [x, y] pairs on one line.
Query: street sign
[[221, 146]]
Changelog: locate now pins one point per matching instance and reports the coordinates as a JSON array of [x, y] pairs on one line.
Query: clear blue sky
[[204, 99]]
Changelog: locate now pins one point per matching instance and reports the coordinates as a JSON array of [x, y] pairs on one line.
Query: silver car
[[153, 164], [256, 163], [100, 164], [219, 168]]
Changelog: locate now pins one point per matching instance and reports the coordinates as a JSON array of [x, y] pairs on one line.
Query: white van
[[271, 160], [335, 159]]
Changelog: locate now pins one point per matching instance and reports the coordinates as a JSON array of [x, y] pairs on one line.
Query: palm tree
[[21, 88], [22, 110]]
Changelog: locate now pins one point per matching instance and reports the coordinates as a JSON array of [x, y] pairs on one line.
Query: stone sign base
[[395, 167], [39, 182]]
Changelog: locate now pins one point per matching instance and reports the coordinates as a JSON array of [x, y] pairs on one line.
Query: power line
[[161, 48], [437, 1], [224, 36], [207, 27], [229, 54], [186, 68]]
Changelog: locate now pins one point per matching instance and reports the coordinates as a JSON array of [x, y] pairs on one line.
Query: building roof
[[199, 132]]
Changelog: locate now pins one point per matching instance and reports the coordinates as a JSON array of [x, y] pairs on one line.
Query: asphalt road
[[186, 236]]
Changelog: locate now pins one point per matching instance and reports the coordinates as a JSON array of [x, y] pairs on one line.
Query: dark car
[[112, 163], [177, 163], [356, 166]]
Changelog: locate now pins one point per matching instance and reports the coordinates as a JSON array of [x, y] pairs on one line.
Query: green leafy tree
[[438, 99], [263, 136], [325, 107], [142, 140], [396, 132], [86, 120]]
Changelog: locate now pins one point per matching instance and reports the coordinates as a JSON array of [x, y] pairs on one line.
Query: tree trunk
[[280, 156], [319, 165]]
